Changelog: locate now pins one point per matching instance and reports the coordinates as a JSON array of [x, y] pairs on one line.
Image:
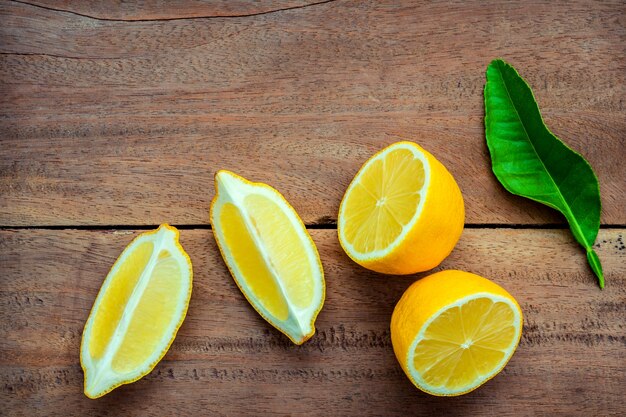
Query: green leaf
[[531, 162]]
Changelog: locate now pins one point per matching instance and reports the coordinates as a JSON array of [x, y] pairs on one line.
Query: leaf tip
[[596, 266]]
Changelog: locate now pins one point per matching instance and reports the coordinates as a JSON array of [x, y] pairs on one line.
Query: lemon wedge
[[135, 317], [453, 331], [269, 254]]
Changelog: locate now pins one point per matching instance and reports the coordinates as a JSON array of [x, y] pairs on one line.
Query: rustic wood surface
[[227, 361], [114, 117], [113, 122], [171, 9]]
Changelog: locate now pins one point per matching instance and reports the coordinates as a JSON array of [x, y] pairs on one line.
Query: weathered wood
[[119, 113], [170, 9], [227, 361], [114, 122]]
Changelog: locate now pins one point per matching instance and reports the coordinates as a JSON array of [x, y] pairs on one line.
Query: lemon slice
[[453, 331], [269, 253], [140, 306], [402, 213]]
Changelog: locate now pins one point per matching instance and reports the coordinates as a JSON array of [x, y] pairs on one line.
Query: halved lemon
[[140, 306], [453, 331], [402, 213], [269, 253]]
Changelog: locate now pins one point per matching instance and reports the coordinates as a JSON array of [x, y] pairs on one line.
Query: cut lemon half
[[140, 306], [402, 213], [453, 331], [269, 253]]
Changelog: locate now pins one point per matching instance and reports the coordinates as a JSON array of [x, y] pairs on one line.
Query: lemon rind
[[113, 379], [419, 382]]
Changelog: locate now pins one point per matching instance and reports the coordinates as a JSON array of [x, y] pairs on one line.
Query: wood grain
[[170, 9], [227, 361], [124, 123]]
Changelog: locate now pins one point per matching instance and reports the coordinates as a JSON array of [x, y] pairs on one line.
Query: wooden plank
[[228, 361], [171, 9], [122, 123]]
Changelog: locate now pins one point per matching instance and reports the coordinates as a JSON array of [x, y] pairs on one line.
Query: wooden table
[[114, 118]]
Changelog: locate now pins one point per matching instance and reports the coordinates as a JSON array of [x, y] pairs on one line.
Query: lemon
[[135, 317], [453, 331], [402, 213], [269, 253]]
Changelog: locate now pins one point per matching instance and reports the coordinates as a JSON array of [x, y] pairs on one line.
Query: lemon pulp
[[384, 200], [465, 343]]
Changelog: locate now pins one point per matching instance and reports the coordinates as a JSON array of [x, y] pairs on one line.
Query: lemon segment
[[269, 253], [402, 213], [115, 299], [288, 256], [153, 312], [453, 331], [135, 317], [251, 264]]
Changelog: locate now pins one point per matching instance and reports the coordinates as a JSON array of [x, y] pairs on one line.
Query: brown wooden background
[[114, 117]]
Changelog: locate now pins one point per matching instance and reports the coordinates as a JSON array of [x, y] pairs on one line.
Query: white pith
[[232, 189], [377, 254], [99, 375], [508, 352]]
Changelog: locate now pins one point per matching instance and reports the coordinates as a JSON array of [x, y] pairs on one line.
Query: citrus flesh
[[453, 331], [402, 213], [269, 254], [135, 317]]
